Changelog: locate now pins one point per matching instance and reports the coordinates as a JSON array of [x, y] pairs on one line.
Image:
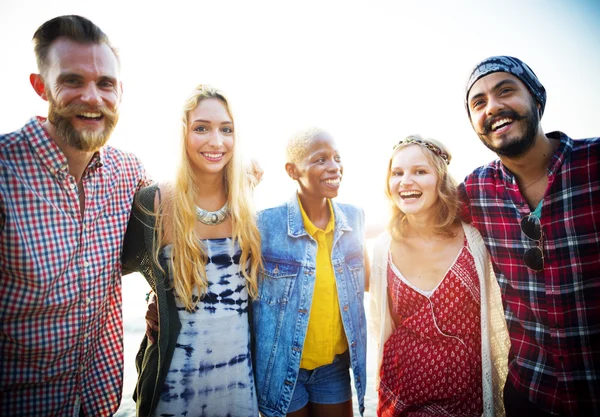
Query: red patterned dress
[[431, 364]]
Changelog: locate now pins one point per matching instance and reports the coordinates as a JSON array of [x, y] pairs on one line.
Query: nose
[[334, 166], [406, 180], [493, 106], [215, 139], [91, 95]]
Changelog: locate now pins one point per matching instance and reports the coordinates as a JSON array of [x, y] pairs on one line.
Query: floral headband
[[433, 148]]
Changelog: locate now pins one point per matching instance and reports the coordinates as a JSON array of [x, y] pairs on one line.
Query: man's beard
[[88, 140], [514, 147]]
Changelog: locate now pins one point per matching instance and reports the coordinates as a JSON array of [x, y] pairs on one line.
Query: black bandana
[[512, 66]]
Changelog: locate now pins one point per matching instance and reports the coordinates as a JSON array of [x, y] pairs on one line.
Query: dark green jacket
[[153, 359]]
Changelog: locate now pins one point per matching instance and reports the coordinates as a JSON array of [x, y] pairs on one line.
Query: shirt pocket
[[276, 281], [356, 265]]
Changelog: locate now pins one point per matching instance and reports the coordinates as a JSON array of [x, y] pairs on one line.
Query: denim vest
[[285, 292]]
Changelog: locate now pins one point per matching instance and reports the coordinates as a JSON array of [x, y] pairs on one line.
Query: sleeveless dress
[[431, 363], [211, 370]]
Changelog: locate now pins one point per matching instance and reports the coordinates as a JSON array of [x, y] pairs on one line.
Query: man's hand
[[152, 318]]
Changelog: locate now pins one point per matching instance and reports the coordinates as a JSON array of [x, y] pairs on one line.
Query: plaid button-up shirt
[[553, 316], [60, 291]]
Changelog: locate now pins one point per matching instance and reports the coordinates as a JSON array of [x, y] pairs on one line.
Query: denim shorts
[[327, 384]]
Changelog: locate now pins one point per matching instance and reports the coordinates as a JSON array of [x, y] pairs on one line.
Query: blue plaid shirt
[[60, 316]]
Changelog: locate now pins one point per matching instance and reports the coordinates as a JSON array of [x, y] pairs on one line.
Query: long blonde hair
[[188, 267], [447, 207]]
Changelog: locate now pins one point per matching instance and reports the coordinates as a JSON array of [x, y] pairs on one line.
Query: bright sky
[[370, 72]]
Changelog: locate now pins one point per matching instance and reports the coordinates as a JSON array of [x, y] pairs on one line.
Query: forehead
[[486, 84], [321, 143], [210, 109], [410, 155], [66, 55]]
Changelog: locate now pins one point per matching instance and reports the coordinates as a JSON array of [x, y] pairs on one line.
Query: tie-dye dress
[[211, 370]]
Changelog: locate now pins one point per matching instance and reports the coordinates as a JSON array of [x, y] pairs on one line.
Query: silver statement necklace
[[212, 218]]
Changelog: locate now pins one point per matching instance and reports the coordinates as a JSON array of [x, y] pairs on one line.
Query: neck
[[210, 191], [421, 227], [533, 163], [76, 159], [317, 210]]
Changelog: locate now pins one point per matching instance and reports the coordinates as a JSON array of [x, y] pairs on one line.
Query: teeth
[[410, 193], [213, 155], [90, 115], [500, 122], [333, 181]]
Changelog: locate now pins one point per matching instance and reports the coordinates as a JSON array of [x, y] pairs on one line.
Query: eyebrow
[[65, 75], [210, 121], [412, 166], [495, 88]]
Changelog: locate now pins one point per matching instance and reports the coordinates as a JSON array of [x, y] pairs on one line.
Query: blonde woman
[[194, 241], [435, 305]]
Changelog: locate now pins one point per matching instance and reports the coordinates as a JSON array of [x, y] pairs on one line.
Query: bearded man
[[538, 210], [65, 199]]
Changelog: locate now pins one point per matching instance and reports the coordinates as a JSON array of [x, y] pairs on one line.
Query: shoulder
[[118, 158], [587, 144], [482, 173], [270, 217], [352, 212], [271, 212], [9, 141], [382, 241]]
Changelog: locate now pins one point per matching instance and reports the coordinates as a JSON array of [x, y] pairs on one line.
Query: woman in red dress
[[435, 305]]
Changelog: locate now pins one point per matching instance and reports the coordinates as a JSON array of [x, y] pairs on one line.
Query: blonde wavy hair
[[188, 266], [447, 207]]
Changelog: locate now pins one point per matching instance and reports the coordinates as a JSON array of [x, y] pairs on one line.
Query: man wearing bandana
[[538, 210], [65, 199]]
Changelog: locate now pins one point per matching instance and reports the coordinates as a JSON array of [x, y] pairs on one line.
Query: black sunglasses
[[532, 228]]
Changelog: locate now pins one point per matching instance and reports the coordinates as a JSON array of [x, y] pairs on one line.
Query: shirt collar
[[562, 152], [310, 227]]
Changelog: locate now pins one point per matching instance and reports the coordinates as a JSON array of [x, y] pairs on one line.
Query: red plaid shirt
[[553, 316], [60, 296]]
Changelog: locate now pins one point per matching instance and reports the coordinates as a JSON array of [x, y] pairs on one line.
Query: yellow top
[[325, 335]]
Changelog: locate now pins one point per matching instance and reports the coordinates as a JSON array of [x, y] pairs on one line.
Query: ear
[[120, 91], [37, 82], [291, 170]]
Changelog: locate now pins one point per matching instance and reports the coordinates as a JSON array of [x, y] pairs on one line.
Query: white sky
[[370, 72]]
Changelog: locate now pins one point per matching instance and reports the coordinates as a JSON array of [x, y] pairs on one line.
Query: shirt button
[[296, 349], [72, 186], [88, 300], [86, 264], [340, 270], [346, 308]]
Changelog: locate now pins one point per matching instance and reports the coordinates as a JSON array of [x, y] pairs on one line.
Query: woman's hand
[[152, 317]]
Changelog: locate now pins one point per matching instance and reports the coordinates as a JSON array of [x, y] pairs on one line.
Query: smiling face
[[83, 90], [412, 181], [210, 137], [319, 171], [503, 114]]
